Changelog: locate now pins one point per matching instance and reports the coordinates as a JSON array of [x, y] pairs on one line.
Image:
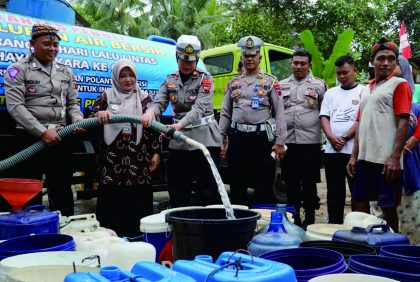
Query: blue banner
[[90, 54]]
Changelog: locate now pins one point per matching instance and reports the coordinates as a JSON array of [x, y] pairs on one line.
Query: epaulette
[[271, 76]]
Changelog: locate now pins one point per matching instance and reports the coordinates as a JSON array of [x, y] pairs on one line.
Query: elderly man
[[376, 160]]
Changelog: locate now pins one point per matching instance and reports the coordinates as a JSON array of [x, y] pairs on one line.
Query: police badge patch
[[13, 73], [206, 84]]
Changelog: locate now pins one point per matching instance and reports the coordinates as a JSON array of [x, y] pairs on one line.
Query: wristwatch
[[345, 137]]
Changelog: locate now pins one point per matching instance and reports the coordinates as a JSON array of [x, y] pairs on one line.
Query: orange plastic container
[[19, 191]]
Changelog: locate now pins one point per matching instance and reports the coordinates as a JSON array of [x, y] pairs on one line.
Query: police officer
[[302, 94], [253, 125], [190, 90], [41, 98]]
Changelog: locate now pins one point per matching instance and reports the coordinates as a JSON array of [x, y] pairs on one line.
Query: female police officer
[[190, 90], [41, 98]]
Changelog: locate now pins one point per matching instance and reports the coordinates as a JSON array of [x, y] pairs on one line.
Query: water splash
[[221, 188]]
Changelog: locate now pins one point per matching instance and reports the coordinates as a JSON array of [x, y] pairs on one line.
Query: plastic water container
[[155, 231], [32, 220], [36, 243], [208, 231], [45, 258], [46, 273], [309, 262], [276, 237], [402, 251], [350, 277], [235, 267], [80, 222], [377, 235], [347, 249], [288, 225], [320, 231], [125, 254], [141, 272], [92, 233], [361, 219], [394, 268]]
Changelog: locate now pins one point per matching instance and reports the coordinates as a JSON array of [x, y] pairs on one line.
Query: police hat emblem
[[189, 49], [249, 43]]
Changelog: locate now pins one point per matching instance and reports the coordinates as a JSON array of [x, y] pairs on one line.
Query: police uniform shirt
[[302, 102], [191, 101], [36, 96], [237, 101]]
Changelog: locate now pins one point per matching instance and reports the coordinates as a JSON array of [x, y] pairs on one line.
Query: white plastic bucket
[[48, 273], [350, 277], [156, 231], [321, 231], [45, 258]]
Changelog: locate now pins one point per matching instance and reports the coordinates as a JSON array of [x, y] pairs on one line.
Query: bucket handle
[[384, 227], [35, 208]]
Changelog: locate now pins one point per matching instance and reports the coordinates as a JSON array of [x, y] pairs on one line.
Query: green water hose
[[89, 123]]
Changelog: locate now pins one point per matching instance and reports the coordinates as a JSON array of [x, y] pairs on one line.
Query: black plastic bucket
[[347, 249], [209, 232]]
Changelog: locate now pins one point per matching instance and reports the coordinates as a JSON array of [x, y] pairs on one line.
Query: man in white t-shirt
[[338, 121]]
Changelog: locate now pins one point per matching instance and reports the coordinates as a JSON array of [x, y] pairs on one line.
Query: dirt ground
[[161, 201]]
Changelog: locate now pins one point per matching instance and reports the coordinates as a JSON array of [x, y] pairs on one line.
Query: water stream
[[221, 188]]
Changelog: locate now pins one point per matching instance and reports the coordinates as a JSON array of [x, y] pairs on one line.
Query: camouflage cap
[[250, 45], [43, 29]]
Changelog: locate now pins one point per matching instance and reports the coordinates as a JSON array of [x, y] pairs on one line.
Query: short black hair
[[240, 65], [303, 53], [344, 60]]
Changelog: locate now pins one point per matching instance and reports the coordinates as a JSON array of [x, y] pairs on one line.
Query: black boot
[[296, 218], [309, 218]]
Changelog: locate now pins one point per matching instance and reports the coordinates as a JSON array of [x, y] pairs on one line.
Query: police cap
[[188, 48], [43, 29], [250, 45]]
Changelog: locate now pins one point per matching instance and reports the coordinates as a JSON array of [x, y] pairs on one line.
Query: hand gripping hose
[[86, 124]]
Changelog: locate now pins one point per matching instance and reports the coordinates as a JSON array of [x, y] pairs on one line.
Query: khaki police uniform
[[193, 108], [301, 166], [246, 126], [37, 99]]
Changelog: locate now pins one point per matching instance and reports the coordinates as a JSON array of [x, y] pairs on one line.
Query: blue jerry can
[[376, 235], [144, 271], [235, 267]]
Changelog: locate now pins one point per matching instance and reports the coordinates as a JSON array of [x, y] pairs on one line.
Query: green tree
[[119, 16], [196, 17]]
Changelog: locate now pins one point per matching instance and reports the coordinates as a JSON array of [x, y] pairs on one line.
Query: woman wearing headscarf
[[128, 155]]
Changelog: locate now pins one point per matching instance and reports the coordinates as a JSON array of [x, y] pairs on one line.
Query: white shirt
[[341, 107]]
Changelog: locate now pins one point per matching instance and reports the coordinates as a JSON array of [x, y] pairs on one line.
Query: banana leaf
[[341, 48], [309, 43]]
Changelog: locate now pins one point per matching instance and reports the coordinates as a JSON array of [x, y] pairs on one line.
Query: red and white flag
[[405, 48]]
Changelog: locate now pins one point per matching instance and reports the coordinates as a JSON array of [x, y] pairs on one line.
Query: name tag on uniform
[[255, 102]]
